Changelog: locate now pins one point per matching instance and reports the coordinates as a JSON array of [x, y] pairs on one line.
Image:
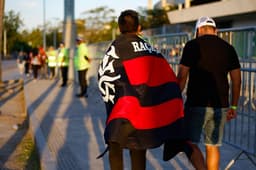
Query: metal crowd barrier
[[243, 39], [240, 132]]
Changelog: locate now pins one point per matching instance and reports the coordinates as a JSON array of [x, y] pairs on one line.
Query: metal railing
[[243, 39], [240, 132]]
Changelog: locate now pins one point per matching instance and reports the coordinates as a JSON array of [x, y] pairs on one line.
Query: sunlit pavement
[[69, 130]]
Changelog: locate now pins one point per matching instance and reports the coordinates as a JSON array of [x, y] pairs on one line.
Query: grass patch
[[29, 155]]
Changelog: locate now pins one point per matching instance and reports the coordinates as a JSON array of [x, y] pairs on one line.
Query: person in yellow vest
[[82, 64], [52, 61], [63, 62]]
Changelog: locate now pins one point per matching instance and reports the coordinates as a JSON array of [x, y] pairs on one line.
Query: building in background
[[226, 13], [235, 20]]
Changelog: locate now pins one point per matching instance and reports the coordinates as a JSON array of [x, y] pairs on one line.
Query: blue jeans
[[209, 120]]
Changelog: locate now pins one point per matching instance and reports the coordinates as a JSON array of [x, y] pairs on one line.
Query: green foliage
[[29, 156], [20, 46], [25, 40], [98, 17], [153, 18], [34, 38], [99, 24], [96, 25], [12, 23], [80, 26]]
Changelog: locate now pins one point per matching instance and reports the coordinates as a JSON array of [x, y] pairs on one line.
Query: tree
[[80, 25], [53, 36], [153, 18], [12, 23], [99, 24], [33, 38]]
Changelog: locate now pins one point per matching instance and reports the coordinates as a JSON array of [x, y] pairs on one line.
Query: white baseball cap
[[79, 38], [205, 21]]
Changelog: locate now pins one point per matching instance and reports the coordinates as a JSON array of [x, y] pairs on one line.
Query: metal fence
[[240, 132], [243, 39]]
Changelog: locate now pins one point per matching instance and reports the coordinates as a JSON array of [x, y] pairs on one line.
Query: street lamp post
[[55, 28], [69, 35], [44, 26]]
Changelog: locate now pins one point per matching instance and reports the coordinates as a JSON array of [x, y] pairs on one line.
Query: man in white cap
[[206, 61]]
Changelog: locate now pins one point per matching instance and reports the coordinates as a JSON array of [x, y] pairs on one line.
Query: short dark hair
[[128, 21]]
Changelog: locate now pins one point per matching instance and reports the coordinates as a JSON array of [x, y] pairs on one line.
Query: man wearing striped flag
[[143, 100]]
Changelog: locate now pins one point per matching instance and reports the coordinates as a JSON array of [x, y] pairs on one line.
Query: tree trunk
[[1, 35]]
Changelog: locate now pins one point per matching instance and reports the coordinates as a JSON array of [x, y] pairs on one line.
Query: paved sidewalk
[[69, 130]]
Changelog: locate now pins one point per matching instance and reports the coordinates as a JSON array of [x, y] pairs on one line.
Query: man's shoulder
[[192, 42], [210, 37]]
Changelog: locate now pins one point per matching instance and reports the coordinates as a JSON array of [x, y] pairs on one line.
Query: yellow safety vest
[[80, 61], [52, 59], [63, 59]]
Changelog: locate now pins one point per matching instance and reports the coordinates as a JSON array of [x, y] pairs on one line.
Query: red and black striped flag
[[142, 96]]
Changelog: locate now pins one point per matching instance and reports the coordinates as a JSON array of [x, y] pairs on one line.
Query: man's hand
[[231, 114]]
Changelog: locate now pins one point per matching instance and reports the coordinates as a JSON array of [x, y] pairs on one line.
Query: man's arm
[[235, 76], [182, 76]]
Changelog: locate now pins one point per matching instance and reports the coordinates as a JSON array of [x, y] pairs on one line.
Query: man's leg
[[115, 156], [80, 79], [214, 131], [197, 158], [191, 150], [53, 72], [65, 75], [195, 118], [138, 159], [85, 82], [212, 157]]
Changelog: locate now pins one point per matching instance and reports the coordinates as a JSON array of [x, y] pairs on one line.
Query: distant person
[[206, 62], [142, 96], [174, 54], [35, 62], [21, 62], [52, 61], [82, 64], [27, 64], [63, 62], [43, 60]]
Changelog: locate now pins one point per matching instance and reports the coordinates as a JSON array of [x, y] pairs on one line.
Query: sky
[[31, 11]]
